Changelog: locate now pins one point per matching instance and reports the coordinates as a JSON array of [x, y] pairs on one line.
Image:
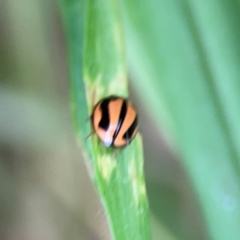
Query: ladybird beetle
[[114, 119]]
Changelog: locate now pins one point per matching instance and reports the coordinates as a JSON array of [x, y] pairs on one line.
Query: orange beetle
[[115, 121]]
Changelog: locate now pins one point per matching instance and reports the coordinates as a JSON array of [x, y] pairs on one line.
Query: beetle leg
[[127, 140], [89, 135], [88, 118]]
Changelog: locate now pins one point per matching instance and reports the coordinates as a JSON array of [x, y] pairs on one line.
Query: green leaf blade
[[119, 176]]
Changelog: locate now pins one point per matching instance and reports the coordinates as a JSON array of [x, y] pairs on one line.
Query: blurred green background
[[45, 190]]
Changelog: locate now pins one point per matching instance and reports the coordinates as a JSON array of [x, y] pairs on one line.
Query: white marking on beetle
[[108, 139]]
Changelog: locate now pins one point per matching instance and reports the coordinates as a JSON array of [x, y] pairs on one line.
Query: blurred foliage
[[189, 77]]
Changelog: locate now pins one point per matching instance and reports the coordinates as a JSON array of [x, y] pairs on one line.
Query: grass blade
[[119, 180], [186, 55]]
